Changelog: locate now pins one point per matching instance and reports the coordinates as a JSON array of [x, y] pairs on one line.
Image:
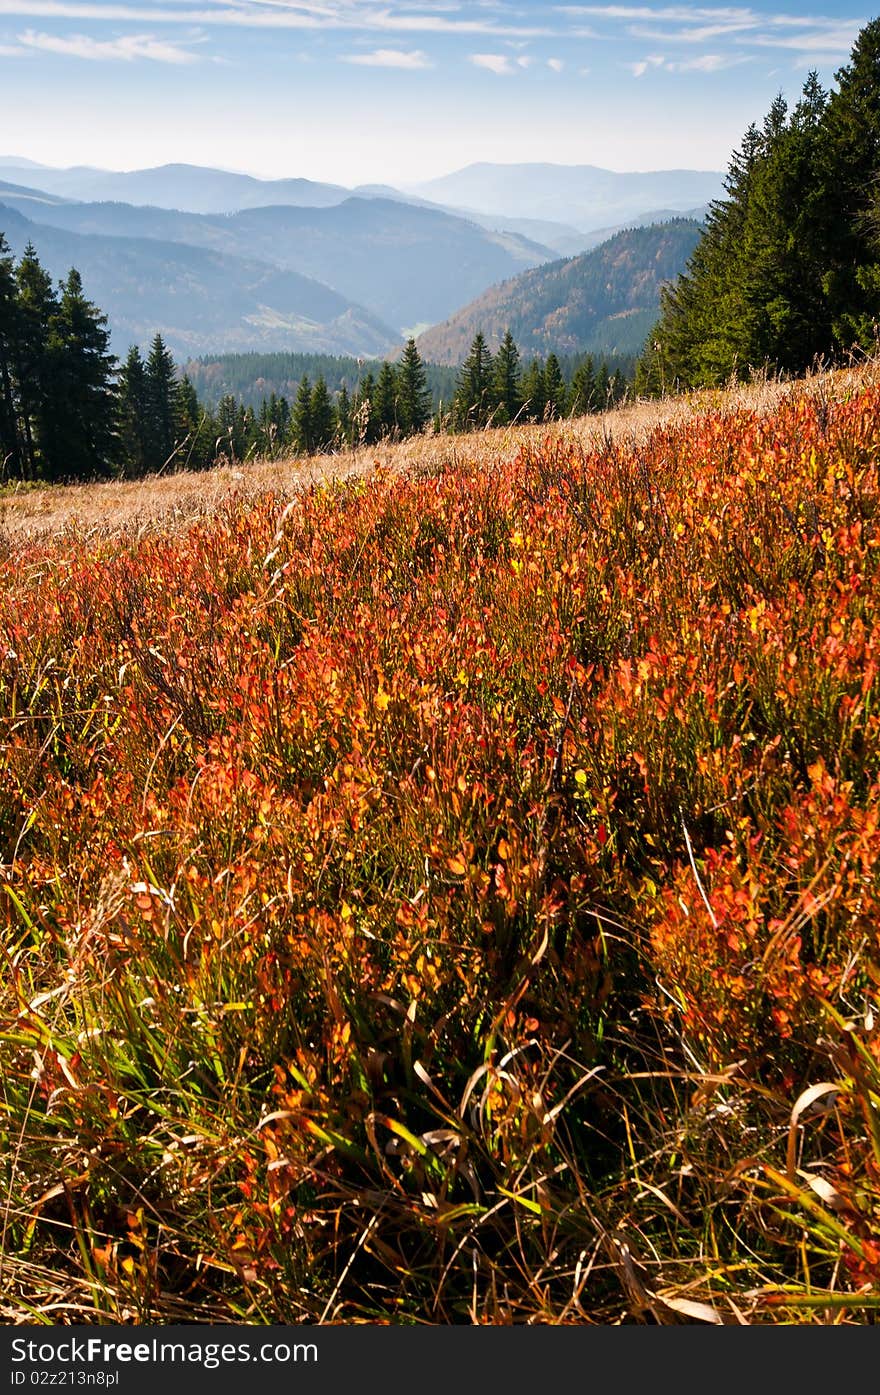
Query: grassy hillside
[[602, 302], [451, 895]]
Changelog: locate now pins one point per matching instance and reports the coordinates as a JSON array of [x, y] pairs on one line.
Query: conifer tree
[[582, 397], [474, 398], [322, 416], [506, 380], [10, 453], [363, 419], [385, 402], [301, 426], [79, 437], [533, 392], [414, 399], [133, 415], [37, 303], [161, 380], [343, 417], [554, 389]]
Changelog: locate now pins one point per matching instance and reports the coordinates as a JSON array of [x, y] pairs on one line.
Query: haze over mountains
[[217, 260], [584, 196]]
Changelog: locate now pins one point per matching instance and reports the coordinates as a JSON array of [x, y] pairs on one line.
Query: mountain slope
[[583, 195], [200, 300], [603, 301], [408, 265]]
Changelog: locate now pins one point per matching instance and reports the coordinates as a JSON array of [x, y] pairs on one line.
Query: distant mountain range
[[200, 300], [583, 196], [222, 261], [410, 266], [602, 302]]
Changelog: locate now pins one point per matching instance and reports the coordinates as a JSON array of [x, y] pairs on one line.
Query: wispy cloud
[[644, 64], [285, 14], [496, 63], [126, 49], [390, 58], [703, 63], [556, 64]]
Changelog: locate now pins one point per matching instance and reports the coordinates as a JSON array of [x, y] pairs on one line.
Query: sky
[[362, 91]]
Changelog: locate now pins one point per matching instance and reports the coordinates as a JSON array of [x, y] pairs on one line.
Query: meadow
[[449, 893]]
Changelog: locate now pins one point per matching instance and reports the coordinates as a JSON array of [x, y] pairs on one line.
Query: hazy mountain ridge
[[585, 196], [201, 300], [603, 301], [406, 264]]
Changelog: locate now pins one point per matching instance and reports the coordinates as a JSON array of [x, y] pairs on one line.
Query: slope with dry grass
[[449, 894]]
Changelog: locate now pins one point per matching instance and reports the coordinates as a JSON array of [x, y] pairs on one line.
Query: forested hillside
[[601, 302]]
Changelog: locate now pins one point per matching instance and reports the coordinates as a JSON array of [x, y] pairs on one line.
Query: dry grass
[[183, 496]]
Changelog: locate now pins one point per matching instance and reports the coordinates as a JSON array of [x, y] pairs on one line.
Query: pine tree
[[414, 399], [79, 435], [322, 416], [37, 303], [474, 398], [385, 403], [161, 381], [301, 426], [194, 431], [533, 392], [133, 415], [343, 417], [506, 380], [10, 452], [363, 417], [582, 398], [848, 174], [554, 389]]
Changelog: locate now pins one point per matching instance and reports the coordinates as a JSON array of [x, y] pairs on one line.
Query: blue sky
[[376, 90]]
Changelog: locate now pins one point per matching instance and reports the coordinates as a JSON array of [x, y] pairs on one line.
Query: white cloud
[[126, 49], [556, 64], [706, 63], [274, 14], [389, 58], [495, 63], [524, 61], [639, 69]]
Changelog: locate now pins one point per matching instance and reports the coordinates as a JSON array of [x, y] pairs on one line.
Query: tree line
[[788, 271], [69, 411]]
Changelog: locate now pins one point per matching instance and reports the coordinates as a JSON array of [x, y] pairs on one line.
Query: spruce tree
[[582, 398], [322, 416], [414, 399], [533, 392], [79, 436], [849, 174], [474, 397], [37, 303], [363, 416], [10, 452], [554, 389], [133, 415], [343, 417], [506, 380], [385, 413], [301, 427], [161, 381]]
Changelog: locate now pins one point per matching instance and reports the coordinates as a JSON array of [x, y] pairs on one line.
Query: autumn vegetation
[[450, 894]]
